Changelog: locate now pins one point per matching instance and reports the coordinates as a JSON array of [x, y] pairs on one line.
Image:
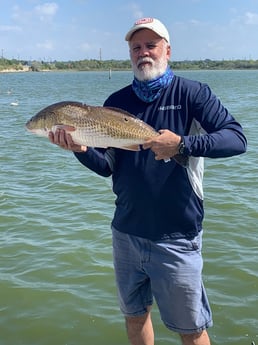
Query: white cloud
[[251, 18], [235, 38], [195, 22], [18, 14], [135, 10], [46, 10], [9, 28], [43, 12]]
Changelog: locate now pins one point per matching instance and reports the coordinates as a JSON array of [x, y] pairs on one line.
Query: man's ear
[[169, 51]]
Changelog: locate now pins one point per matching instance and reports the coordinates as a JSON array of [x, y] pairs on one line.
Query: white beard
[[149, 71]]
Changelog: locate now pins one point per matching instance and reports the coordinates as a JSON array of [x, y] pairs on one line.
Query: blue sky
[[85, 29]]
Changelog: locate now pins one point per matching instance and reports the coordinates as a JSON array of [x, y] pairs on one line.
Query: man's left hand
[[165, 145]]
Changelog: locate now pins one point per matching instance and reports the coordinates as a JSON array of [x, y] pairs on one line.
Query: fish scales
[[96, 126], [92, 131], [92, 125]]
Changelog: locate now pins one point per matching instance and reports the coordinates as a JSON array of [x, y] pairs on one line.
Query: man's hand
[[165, 145], [64, 140]]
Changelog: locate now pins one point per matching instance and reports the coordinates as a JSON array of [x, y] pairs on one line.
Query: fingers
[[159, 151], [60, 138], [64, 140], [51, 137], [147, 145], [164, 146], [158, 140], [162, 156]]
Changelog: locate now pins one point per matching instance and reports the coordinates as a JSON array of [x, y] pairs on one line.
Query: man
[[157, 225]]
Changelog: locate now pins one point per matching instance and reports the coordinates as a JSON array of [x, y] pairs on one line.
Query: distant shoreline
[[12, 70], [17, 66]]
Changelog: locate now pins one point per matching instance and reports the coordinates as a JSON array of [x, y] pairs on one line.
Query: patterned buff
[[149, 90]]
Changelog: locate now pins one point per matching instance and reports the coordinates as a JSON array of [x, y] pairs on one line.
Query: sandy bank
[[13, 70]]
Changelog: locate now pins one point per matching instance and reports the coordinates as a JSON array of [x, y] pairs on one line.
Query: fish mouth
[[29, 129], [27, 126]]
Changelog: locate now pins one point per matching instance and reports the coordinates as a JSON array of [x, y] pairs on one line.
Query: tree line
[[94, 64]]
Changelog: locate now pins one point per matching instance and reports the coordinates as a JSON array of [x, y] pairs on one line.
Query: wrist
[[80, 149], [181, 147]]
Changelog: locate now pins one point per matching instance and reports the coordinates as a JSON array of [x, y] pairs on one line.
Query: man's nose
[[144, 51]]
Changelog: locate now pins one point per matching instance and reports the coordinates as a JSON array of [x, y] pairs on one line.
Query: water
[[56, 275]]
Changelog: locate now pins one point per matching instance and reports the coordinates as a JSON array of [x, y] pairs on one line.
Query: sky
[[65, 30]]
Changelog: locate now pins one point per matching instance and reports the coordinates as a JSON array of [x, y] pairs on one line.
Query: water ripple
[[56, 275]]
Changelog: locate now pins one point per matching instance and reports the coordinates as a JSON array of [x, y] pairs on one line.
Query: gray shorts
[[168, 270]]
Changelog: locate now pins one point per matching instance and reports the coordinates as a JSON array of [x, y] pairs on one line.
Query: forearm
[[95, 160], [220, 134], [223, 143]]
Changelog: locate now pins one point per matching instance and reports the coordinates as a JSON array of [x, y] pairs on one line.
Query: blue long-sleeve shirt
[[157, 200]]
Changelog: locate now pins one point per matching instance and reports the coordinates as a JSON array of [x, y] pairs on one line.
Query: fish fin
[[131, 148], [66, 128], [182, 160], [121, 111]]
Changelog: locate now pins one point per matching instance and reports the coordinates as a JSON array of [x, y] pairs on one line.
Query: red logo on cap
[[144, 21]]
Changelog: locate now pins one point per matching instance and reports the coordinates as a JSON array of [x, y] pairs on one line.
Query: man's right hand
[[64, 140]]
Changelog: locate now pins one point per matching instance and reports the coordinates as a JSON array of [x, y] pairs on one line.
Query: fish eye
[[126, 119]]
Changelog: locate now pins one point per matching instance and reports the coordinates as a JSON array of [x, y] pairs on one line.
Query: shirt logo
[[170, 107]]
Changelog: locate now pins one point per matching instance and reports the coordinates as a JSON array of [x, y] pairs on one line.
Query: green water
[[56, 275]]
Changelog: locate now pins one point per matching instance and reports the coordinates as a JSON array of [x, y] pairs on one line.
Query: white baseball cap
[[149, 23]]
